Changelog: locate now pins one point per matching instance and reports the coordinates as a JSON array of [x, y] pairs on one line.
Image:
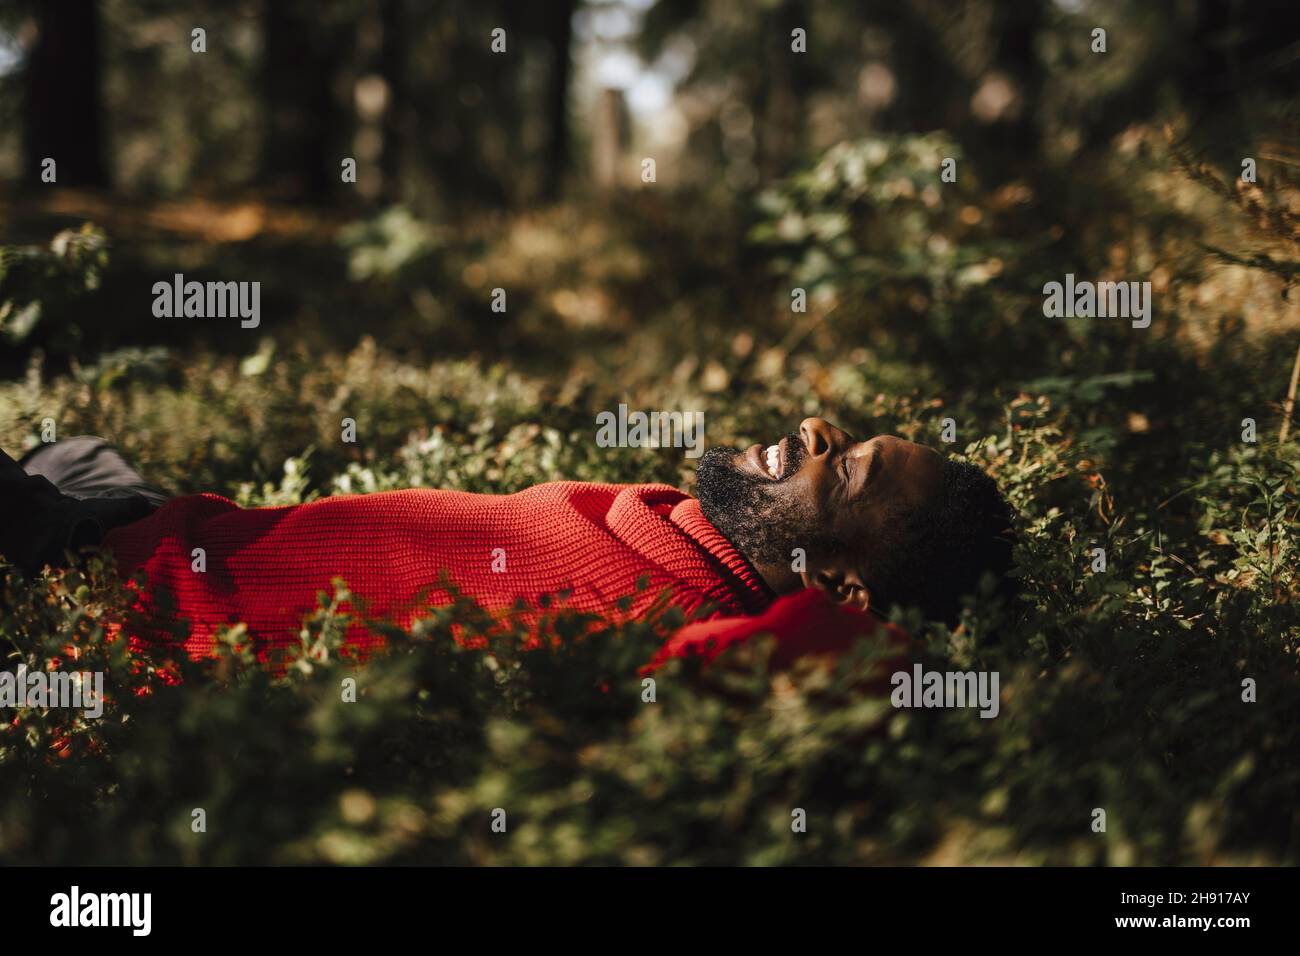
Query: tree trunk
[[396, 120], [559, 36], [62, 112], [300, 155]]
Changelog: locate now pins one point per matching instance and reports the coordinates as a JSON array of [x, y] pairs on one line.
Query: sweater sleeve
[[804, 623]]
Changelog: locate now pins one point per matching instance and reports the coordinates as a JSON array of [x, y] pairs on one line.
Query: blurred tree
[[62, 116], [393, 67], [1219, 62], [304, 121], [492, 126], [1016, 82], [556, 28], [744, 53]]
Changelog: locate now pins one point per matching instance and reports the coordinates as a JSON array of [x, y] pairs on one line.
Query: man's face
[[820, 490]]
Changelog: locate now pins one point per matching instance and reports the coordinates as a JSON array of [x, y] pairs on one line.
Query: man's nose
[[819, 436]]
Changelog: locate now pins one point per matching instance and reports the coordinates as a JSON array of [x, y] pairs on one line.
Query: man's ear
[[842, 584]]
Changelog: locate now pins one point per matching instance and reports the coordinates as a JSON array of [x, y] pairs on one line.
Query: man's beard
[[764, 524]]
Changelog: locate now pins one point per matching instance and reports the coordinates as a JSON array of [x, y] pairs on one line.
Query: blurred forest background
[[521, 170], [775, 170]]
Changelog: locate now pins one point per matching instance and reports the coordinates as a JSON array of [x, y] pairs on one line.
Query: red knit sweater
[[589, 544]]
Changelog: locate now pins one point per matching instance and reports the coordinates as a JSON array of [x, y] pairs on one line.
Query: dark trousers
[[66, 495]]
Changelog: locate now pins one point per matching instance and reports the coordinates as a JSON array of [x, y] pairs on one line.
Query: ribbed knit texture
[[265, 566]]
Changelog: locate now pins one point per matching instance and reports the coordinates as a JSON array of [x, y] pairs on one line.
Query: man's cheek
[[811, 498]]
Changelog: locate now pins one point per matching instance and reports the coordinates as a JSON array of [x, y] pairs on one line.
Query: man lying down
[[809, 539]]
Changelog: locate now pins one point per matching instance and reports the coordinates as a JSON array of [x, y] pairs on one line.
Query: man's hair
[[943, 550]]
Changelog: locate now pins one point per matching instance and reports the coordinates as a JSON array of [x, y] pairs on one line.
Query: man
[[800, 539]]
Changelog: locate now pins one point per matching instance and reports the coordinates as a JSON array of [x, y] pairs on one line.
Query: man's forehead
[[895, 448]]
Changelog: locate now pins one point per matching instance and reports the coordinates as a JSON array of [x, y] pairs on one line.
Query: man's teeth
[[773, 455]]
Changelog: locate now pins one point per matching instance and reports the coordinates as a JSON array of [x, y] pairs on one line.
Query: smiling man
[[800, 539], [879, 521]]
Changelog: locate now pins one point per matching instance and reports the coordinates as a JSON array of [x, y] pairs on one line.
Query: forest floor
[[1164, 691]]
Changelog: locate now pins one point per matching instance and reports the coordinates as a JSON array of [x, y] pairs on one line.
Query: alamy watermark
[[922, 688], [651, 430], [208, 300], [1099, 300], [78, 690], [74, 908]]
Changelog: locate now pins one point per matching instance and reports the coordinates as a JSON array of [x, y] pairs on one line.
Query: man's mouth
[[769, 461]]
